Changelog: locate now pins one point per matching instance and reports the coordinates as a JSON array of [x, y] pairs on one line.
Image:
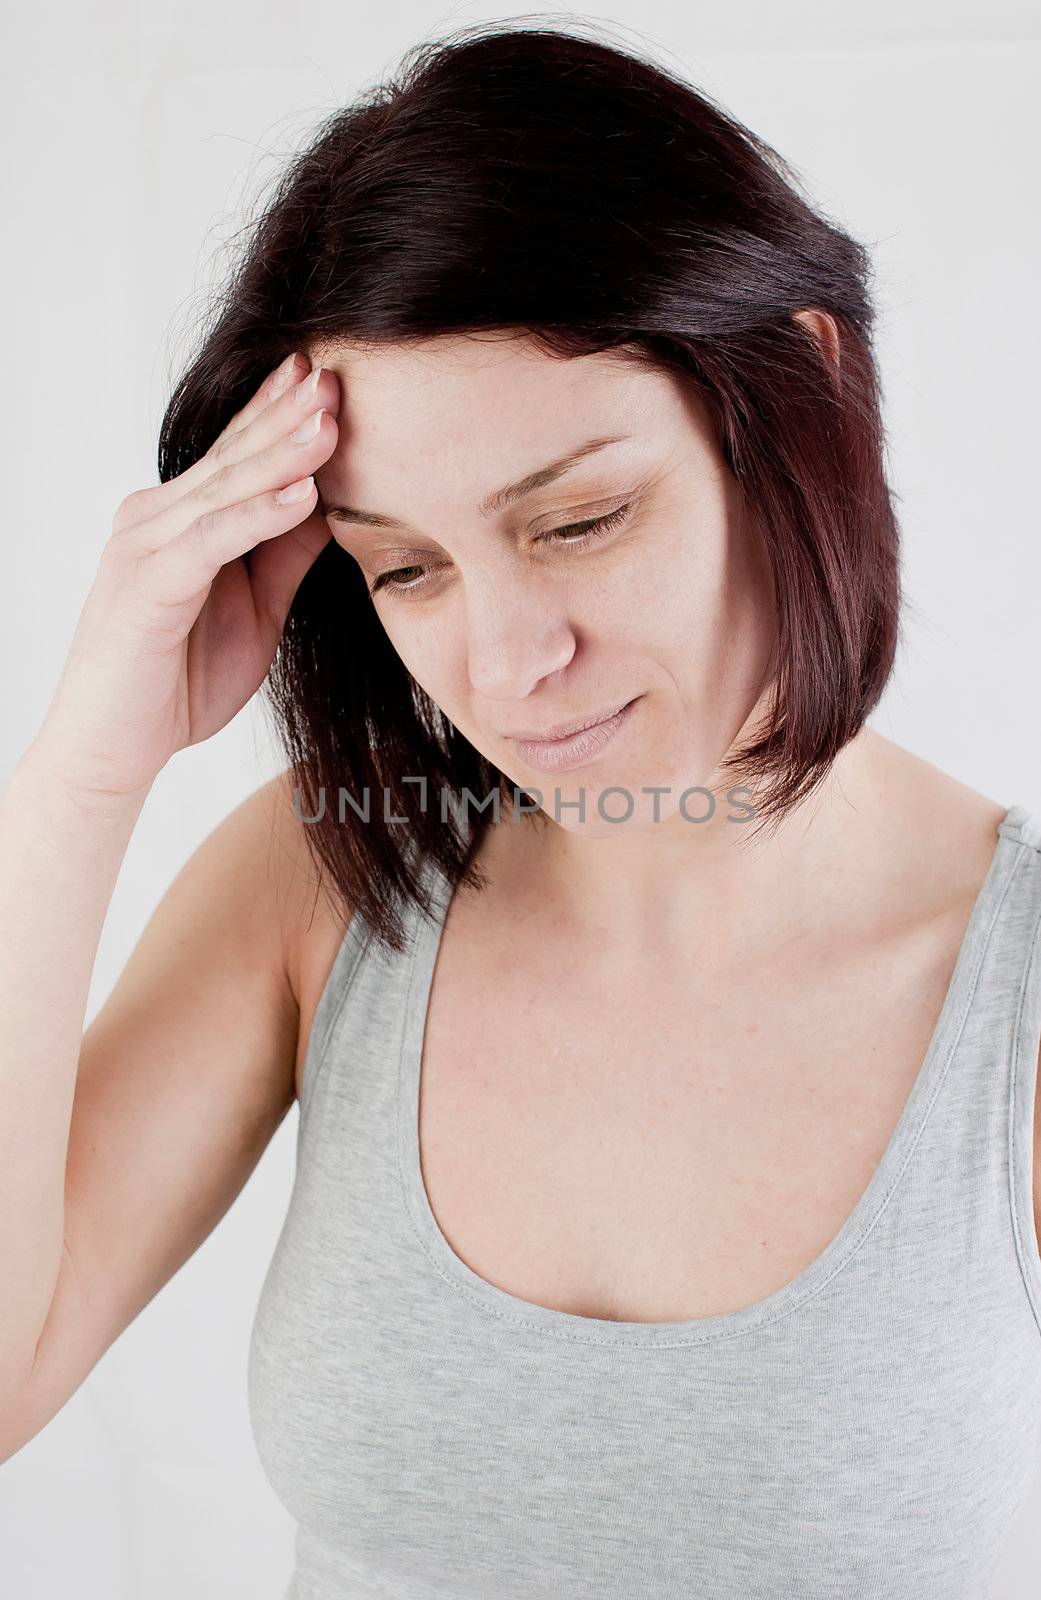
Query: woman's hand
[[192, 592]]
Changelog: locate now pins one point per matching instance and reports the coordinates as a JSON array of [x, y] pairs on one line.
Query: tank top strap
[[1022, 825], [975, 1161], [1006, 997], [366, 978], [1016, 963]]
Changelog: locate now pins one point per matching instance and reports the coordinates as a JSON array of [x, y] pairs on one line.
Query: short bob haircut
[[538, 181]]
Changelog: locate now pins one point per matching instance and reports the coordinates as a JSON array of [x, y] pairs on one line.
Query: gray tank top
[[867, 1432]]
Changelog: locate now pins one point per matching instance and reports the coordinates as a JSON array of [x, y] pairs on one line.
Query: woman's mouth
[[557, 755]]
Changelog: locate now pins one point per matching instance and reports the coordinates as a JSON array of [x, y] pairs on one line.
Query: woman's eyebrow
[[499, 499]]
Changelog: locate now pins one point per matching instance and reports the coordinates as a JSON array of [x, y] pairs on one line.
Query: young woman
[[665, 1219]]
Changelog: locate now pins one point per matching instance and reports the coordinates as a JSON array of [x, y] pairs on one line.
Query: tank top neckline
[[1018, 827]]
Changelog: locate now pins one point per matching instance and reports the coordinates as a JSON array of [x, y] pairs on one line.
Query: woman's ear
[[822, 326]]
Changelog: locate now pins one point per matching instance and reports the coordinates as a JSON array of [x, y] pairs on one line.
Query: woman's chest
[[659, 1146]]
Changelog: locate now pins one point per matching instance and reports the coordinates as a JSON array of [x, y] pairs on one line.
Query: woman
[[706, 1262]]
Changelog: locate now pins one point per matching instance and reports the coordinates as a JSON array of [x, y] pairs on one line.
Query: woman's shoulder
[[939, 831]]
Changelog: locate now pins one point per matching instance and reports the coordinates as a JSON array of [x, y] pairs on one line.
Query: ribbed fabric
[[867, 1432]]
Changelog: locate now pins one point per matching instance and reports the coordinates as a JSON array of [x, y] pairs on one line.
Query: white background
[[137, 138]]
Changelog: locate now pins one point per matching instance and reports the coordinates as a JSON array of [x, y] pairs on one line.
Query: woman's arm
[[182, 1078], [60, 855], [120, 1149]]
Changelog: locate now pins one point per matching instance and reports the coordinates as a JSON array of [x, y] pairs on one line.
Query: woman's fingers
[[235, 511], [265, 456], [145, 504], [291, 370]]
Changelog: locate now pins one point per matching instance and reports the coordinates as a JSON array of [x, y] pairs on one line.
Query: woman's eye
[[580, 532], [571, 534], [387, 580]]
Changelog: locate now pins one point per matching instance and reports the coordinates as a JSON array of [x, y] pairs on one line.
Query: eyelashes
[[572, 535]]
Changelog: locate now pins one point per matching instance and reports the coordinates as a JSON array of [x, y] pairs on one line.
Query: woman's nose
[[517, 636]]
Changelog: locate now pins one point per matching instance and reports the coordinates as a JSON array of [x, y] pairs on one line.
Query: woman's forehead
[[467, 370], [483, 413]]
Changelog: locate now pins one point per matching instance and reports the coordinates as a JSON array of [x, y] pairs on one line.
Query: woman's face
[[514, 619]]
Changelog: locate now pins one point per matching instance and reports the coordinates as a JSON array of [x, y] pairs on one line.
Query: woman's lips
[[558, 755]]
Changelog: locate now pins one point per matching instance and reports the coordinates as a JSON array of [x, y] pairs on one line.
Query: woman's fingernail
[[283, 374], [294, 492], [306, 389], [308, 429]]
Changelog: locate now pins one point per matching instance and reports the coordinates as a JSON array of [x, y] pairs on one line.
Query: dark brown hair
[[536, 180]]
